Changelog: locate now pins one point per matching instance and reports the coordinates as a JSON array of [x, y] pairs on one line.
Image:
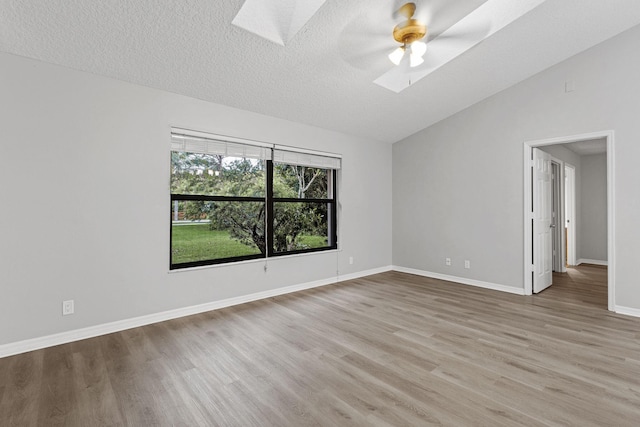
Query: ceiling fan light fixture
[[396, 55], [409, 33], [415, 60], [418, 48]]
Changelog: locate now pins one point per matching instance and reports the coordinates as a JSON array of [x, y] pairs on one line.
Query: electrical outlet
[[351, 260], [467, 263], [67, 307], [447, 261]]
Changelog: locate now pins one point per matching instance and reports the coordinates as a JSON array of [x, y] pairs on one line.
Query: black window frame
[[269, 200], [332, 229], [204, 198]]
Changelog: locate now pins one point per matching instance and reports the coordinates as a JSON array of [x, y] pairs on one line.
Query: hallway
[[583, 285]]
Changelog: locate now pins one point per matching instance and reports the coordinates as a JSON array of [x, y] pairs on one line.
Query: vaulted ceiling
[[323, 75]]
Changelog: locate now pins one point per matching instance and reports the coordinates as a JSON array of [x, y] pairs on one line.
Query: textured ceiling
[[588, 147], [324, 75]]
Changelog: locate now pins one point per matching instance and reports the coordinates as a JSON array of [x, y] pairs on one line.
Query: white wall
[[458, 185], [593, 214], [84, 175]]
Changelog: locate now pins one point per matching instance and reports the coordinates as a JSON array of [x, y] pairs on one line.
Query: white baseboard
[[121, 325], [462, 280], [627, 311], [345, 277], [592, 261]]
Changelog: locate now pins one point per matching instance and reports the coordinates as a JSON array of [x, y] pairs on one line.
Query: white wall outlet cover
[[67, 307]]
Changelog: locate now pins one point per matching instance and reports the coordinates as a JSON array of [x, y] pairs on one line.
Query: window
[[234, 201]]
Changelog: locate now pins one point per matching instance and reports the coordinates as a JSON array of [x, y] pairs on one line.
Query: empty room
[[329, 213]]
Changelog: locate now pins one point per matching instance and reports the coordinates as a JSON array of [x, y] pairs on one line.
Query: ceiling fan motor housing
[[409, 31]]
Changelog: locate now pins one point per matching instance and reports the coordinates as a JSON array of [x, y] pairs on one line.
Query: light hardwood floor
[[390, 349]]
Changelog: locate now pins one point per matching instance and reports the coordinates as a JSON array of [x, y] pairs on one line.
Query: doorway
[[559, 263], [530, 267], [570, 213]]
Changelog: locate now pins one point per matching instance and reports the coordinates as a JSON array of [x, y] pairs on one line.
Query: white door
[[542, 221]]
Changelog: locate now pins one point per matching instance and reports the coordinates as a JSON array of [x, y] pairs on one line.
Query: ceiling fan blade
[[365, 42], [405, 11], [372, 58], [463, 35], [439, 15]]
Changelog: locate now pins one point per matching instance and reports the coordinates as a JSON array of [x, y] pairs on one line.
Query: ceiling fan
[[416, 51], [409, 33]]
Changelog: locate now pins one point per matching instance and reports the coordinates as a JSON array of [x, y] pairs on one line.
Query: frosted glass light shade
[[415, 60], [418, 48], [396, 55]]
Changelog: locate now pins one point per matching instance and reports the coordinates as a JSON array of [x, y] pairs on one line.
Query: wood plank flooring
[[389, 349]]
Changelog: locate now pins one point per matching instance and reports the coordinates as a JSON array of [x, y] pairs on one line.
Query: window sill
[[252, 261]]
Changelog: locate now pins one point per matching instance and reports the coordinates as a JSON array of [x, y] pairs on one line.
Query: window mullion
[[269, 203]]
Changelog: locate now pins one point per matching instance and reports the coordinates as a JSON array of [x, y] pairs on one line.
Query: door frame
[[528, 266], [557, 183], [570, 199]]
